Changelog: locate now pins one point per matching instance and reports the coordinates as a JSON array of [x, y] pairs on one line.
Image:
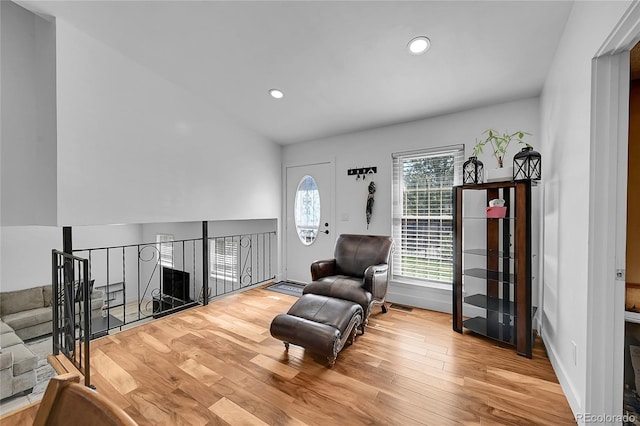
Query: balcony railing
[[240, 261], [143, 281]]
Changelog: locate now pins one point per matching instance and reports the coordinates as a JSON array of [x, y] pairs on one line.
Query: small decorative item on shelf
[[496, 209], [527, 165], [472, 171]]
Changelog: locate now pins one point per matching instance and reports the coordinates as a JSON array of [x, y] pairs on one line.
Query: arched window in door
[[307, 210]]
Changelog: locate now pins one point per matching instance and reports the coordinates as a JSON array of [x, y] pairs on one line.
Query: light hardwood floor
[[218, 364]]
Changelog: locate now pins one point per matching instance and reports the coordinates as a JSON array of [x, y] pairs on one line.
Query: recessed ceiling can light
[[277, 94], [419, 45]]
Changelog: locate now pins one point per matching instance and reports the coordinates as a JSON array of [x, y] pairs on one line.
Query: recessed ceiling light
[[277, 94], [419, 45]]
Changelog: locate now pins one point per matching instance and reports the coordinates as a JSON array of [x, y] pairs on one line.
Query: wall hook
[[362, 172]]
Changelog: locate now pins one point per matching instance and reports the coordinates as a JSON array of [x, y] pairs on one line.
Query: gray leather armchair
[[359, 272]]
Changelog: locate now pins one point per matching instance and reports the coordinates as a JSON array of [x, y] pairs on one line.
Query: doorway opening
[[631, 392]]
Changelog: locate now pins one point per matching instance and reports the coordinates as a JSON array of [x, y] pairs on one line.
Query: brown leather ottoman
[[320, 324]]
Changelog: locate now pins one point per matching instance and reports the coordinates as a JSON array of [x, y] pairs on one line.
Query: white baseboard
[[434, 299], [568, 388]]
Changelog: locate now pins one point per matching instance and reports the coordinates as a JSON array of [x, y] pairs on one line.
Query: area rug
[[287, 287], [41, 347]]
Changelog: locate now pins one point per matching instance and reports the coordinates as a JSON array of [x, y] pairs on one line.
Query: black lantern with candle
[[472, 171], [527, 165]]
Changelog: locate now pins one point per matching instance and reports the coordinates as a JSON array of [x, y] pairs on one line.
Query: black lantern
[[472, 171], [527, 165]]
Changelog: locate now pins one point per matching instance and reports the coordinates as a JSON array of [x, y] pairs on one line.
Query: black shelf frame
[[508, 272]]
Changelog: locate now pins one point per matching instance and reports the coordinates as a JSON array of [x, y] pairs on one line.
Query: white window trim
[[230, 263], [165, 243], [397, 206]]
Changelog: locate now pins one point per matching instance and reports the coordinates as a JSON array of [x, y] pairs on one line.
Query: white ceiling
[[343, 65]]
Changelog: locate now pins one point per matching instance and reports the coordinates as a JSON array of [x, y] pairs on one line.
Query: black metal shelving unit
[[506, 271]]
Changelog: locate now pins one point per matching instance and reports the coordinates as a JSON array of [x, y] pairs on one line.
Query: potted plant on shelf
[[499, 143]]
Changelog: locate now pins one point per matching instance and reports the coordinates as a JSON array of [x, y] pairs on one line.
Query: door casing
[[327, 241]]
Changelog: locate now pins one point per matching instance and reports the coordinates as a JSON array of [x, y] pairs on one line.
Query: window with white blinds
[[423, 212], [223, 256], [165, 248]]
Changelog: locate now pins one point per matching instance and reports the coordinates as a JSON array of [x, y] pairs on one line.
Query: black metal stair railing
[[71, 312]]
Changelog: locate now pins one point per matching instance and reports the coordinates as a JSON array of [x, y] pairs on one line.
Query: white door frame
[[332, 215], [607, 217]]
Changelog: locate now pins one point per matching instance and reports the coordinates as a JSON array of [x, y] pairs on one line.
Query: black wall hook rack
[[362, 171]]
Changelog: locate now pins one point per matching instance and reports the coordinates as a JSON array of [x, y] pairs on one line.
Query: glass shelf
[[492, 304], [490, 275], [489, 253], [487, 218], [490, 328]]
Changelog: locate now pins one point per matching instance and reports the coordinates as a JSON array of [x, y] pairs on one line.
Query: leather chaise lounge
[[339, 300], [320, 324]]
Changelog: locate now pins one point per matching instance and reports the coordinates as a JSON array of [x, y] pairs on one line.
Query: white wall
[[26, 255], [565, 137], [26, 252], [236, 227], [134, 148], [1, 119], [374, 148], [86, 237], [28, 135]]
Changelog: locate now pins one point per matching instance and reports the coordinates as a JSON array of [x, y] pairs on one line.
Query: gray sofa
[[28, 312], [24, 315], [17, 364]]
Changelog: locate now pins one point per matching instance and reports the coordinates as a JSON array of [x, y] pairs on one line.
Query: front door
[[309, 215]]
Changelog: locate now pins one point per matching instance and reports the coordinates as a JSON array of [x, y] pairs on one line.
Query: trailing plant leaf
[[477, 148], [499, 143]]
